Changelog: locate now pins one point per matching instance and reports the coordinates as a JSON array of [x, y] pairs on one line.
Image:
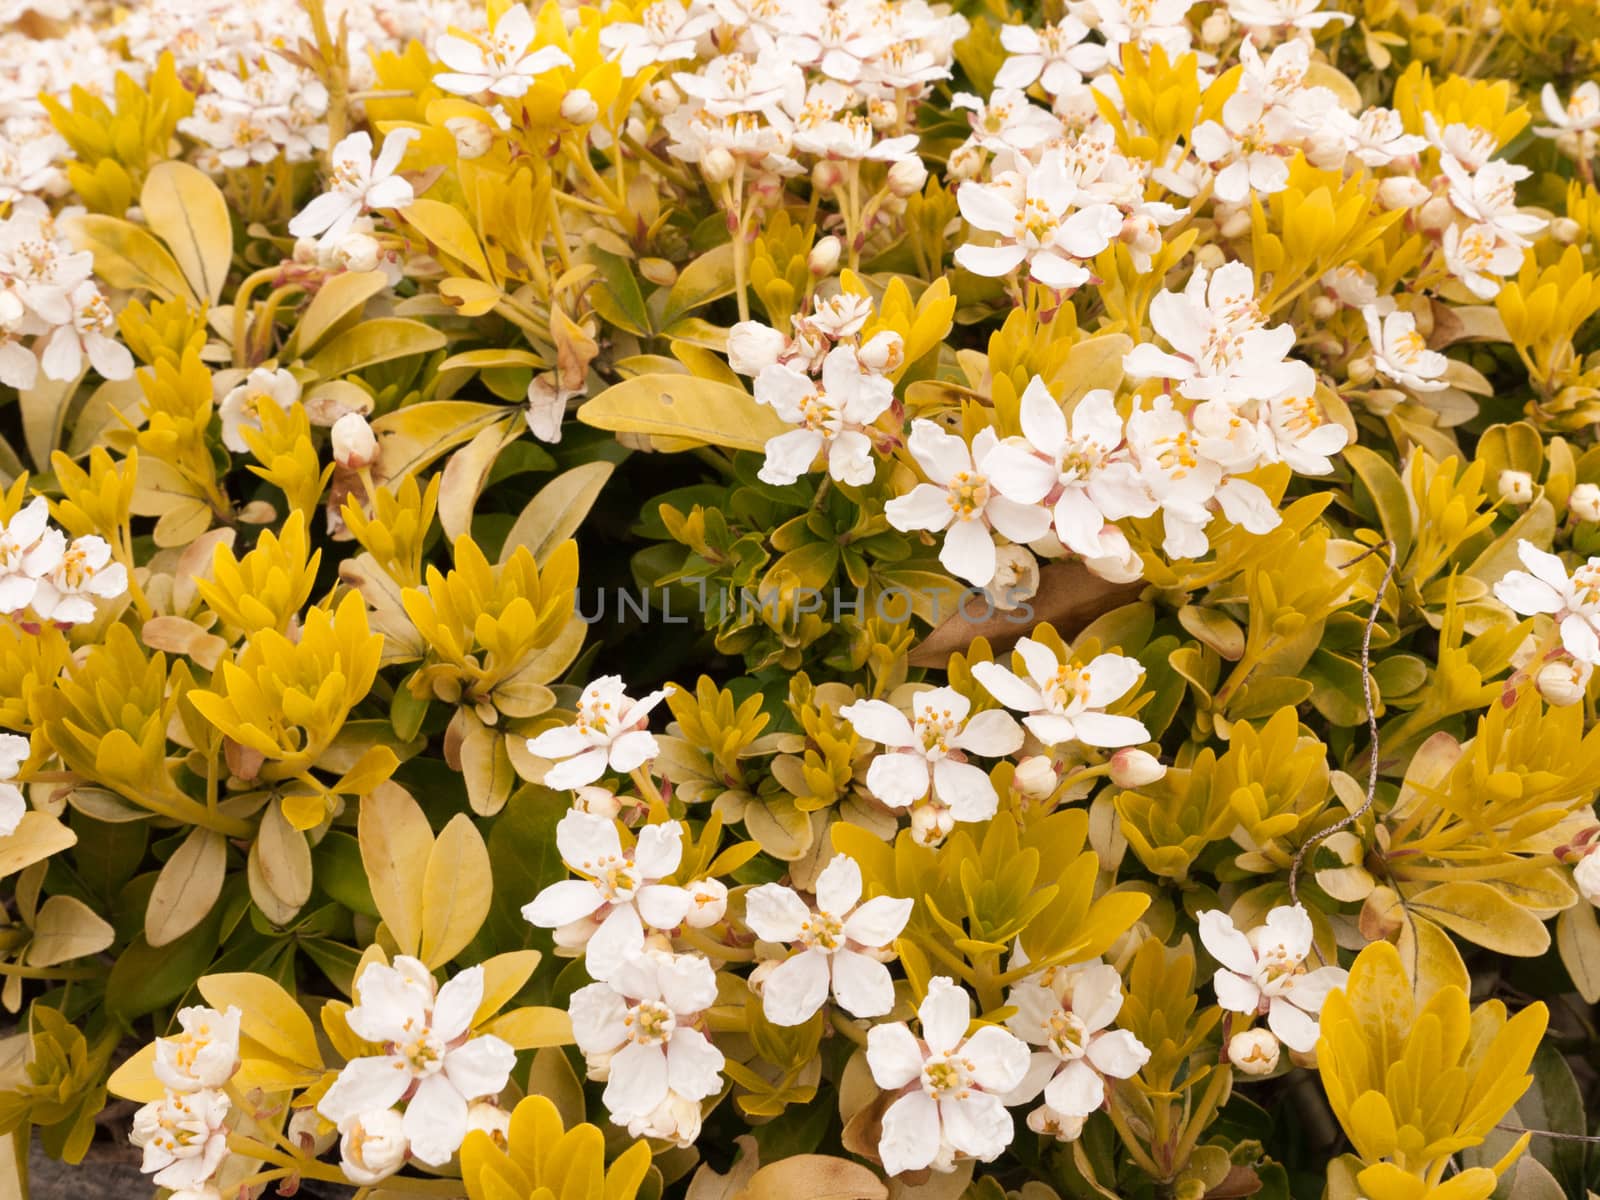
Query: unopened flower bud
[[661, 97], [1214, 30], [708, 902], [1562, 682], [356, 252], [1132, 767], [1326, 151], [931, 824], [373, 1147], [602, 802], [717, 165], [1016, 578], [1565, 230], [473, 137], [907, 176], [304, 1132], [579, 108], [883, 352], [826, 175], [1516, 487], [1255, 1051], [490, 1119], [1361, 370], [354, 444], [1209, 256], [753, 347], [1584, 503], [1051, 1123], [824, 257], [1436, 215], [1324, 307], [1035, 777], [1402, 191], [1235, 224], [1586, 874]]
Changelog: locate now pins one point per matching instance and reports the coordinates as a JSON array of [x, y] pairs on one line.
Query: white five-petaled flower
[[840, 943], [204, 1055], [1057, 57], [606, 912], [611, 733], [1573, 600], [636, 1030], [1264, 971], [1221, 346], [431, 1059], [14, 752], [29, 549], [1064, 702], [953, 1084], [962, 501], [1580, 114], [90, 334], [832, 417], [1065, 1012], [1282, 15], [1249, 148], [666, 32], [1042, 218], [1081, 471], [1401, 354], [932, 748], [66, 593], [1479, 257], [184, 1136], [503, 62], [239, 409], [358, 185], [1487, 197]]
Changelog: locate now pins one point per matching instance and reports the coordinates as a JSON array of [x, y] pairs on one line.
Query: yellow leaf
[[136, 1079], [188, 212], [816, 1177], [336, 302], [504, 976], [681, 406], [126, 256], [396, 841], [1481, 913], [531, 1028], [66, 928], [270, 1015], [457, 887], [187, 887], [447, 229], [556, 512]]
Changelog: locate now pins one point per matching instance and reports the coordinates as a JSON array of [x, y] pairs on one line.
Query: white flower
[[1293, 429], [1081, 471], [932, 747], [1221, 346], [836, 945], [1283, 14], [503, 62], [832, 418], [621, 894], [1064, 702], [1007, 121], [962, 502], [65, 594], [29, 549], [1545, 587], [612, 732], [14, 752], [708, 903], [1479, 258], [204, 1055], [1264, 972], [1183, 481], [90, 334], [358, 184], [1467, 145], [431, 1059], [239, 407], [1066, 1013], [373, 1146], [1487, 197], [354, 444], [1043, 219], [1249, 149], [753, 347], [637, 1031], [1380, 138], [1057, 56], [184, 1137], [1401, 354], [1144, 23], [1586, 874], [666, 32], [954, 1084], [1581, 114], [732, 84]]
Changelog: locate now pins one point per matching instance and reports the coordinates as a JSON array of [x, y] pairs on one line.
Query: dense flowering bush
[[771, 598]]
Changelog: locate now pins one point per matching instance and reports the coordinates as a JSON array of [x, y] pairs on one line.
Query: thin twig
[[1392, 561], [1549, 1133]]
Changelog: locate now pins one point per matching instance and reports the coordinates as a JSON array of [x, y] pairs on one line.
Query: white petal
[[999, 1058], [968, 552], [775, 913], [694, 1065], [619, 938], [945, 1013], [1225, 943], [1077, 1090], [965, 789], [992, 733], [893, 1055], [1118, 1054], [879, 921], [480, 1067], [1235, 993], [910, 1138], [796, 988], [899, 780], [662, 906], [659, 849], [862, 985], [457, 1001], [638, 1081], [1295, 1029], [562, 903], [926, 506], [1007, 688], [880, 721], [977, 1124], [365, 1085], [839, 885]]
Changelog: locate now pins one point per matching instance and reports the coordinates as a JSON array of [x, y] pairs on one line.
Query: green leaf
[[374, 342], [556, 512]]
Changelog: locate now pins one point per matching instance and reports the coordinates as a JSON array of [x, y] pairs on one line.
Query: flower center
[[1586, 582], [969, 493], [1178, 454], [822, 931], [1067, 1035], [424, 1054], [650, 1022], [1071, 683], [936, 729], [947, 1077]]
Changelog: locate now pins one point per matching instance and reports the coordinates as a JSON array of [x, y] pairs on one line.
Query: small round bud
[[717, 165], [661, 97], [1565, 230], [355, 252], [883, 352], [473, 137], [1361, 370], [1214, 30], [1209, 256], [907, 176], [1051, 1123], [1436, 215], [826, 175], [579, 108], [600, 801], [373, 1147], [1035, 777], [824, 257], [354, 444], [490, 1119], [305, 1132], [1584, 503], [1326, 151], [1254, 1052], [1516, 487], [1132, 767], [1562, 682], [708, 902], [1402, 191], [1235, 224], [965, 162], [753, 347], [1324, 308], [1586, 874], [931, 824]]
